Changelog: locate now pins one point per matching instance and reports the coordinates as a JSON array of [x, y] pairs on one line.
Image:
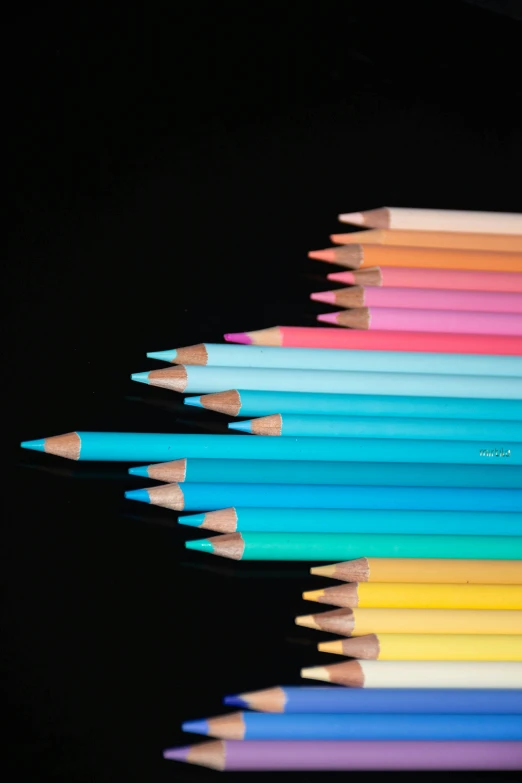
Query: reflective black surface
[[170, 171]]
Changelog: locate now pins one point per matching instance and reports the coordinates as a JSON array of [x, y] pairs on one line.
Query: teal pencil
[[352, 546], [154, 447]]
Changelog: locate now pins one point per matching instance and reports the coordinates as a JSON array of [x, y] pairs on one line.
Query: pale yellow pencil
[[437, 220]]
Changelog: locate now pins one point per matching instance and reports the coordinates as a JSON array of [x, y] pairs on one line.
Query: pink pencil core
[[323, 255], [238, 337], [342, 277], [324, 296], [328, 318]]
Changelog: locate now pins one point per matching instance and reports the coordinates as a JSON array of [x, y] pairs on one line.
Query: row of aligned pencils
[[400, 459]]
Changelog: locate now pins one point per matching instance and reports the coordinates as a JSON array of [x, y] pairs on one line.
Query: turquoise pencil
[[230, 355], [154, 447], [216, 379], [313, 520], [192, 497], [245, 402], [384, 474], [290, 425]]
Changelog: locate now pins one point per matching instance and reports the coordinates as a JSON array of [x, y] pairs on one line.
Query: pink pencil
[[387, 318], [425, 298], [455, 279]]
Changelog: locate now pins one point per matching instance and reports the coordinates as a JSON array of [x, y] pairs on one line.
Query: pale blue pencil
[[230, 355], [216, 379]]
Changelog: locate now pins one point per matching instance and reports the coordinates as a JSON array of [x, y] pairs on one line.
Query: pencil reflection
[[251, 572], [76, 470]]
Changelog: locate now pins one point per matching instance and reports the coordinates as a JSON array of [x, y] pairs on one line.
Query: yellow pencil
[[359, 622], [427, 647], [401, 569], [418, 596]]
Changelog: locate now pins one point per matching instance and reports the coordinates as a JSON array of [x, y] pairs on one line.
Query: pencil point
[[238, 337], [138, 494], [176, 754], [335, 647], [324, 296], [323, 255], [342, 277], [315, 673], [163, 356], [235, 701], [200, 545], [142, 471], [193, 520], [34, 445], [242, 426], [328, 318], [307, 621], [196, 726], [355, 218], [194, 401], [313, 595], [140, 377], [327, 570]]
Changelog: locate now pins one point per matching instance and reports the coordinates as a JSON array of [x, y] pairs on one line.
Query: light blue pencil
[[192, 497], [229, 355], [247, 402], [290, 425], [313, 520], [216, 379], [155, 447], [251, 471]]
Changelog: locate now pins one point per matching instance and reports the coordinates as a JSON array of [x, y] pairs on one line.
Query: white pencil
[[436, 220]]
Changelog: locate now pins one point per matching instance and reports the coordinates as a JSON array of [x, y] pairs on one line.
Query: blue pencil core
[[141, 377], [195, 726], [235, 701], [143, 471], [242, 426], [163, 356], [195, 401], [138, 494], [34, 445], [194, 520], [201, 544]]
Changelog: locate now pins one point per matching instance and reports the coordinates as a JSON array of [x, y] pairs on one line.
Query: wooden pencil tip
[[315, 673], [313, 595], [172, 378]]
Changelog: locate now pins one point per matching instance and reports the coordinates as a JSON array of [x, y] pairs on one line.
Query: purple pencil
[[335, 755]]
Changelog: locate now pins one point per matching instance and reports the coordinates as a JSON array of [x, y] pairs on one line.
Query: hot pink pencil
[[455, 279], [386, 318], [426, 298]]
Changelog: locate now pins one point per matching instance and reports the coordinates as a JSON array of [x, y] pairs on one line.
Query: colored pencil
[[215, 379], [427, 647], [362, 254], [405, 320], [247, 402], [331, 755], [209, 471], [155, 447], [427, 298], [269, 357], [381, 427], [360, 622], [292, 699], [358, 726], [457, 240], [360, 339], [398, 569], [191, 497], [313, 520], [418, 596], [445, 279], [415, 674], [408, 219], [326, 546]]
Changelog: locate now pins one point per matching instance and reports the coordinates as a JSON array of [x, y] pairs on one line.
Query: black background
[[170, 170]]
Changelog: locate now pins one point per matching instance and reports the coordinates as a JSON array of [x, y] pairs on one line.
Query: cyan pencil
[[291, 425], [191, 497], [217, 379], [247, 402]]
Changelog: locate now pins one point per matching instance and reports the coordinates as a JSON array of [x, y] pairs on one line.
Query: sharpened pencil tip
[[315, 673], [195, 726], [313, 595], [176, 754], [195, 401], [323, 255], [163, 356], [141, 377], [235, 701], [142, 471], [138, 494], [242, 426], [328, 318], [194, 520], [200, 544], [355, 218], [238, 337], [323, 296], [34, 445]]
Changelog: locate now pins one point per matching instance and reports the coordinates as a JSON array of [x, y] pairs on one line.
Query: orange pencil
[[435, 239]]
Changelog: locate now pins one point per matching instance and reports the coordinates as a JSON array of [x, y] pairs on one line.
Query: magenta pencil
[[330, 755], [406, 320], [425, 298], [455, 279]]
